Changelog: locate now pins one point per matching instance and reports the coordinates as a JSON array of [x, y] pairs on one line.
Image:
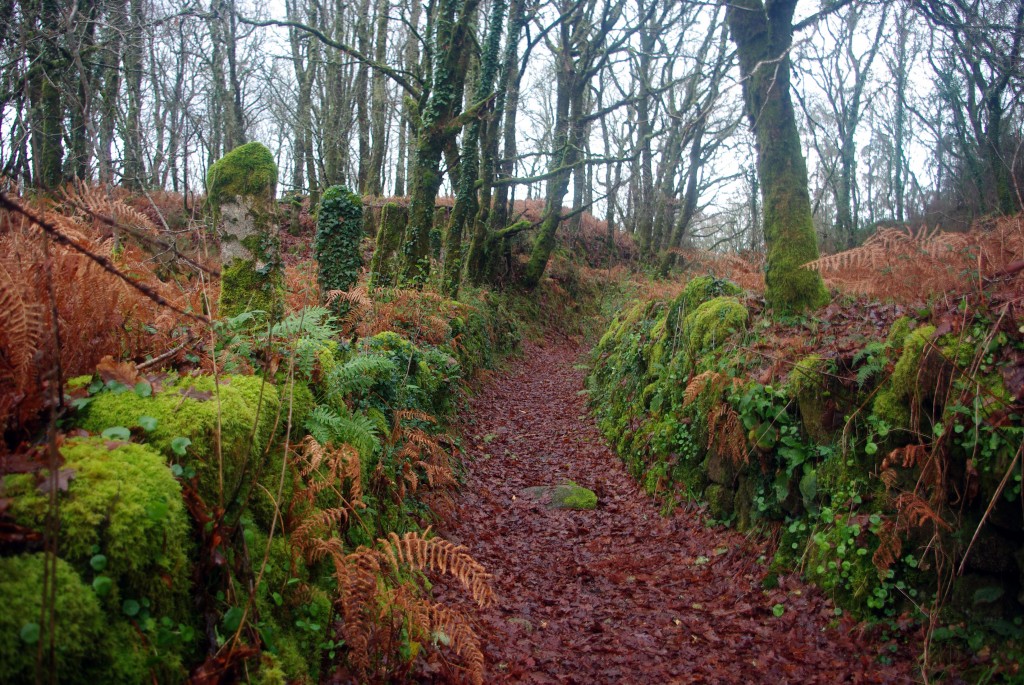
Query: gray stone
[[565, 496]]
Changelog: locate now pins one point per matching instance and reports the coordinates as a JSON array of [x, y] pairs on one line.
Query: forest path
[[619, 594]]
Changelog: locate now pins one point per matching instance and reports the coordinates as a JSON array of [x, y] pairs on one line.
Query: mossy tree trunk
[[583, 51], [466, 202], [393, 219], [763, 34], [46, 105], [438, 128], [567, 100], [493, 214]]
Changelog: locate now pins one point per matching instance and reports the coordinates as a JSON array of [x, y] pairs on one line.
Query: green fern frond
[[873, 361], [358, 374], [315, 323], [329, 427]]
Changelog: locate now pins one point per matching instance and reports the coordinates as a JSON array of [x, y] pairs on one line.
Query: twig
[[166, 355]]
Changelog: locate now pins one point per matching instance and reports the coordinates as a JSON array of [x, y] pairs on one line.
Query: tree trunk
[[379, 109], [466, 203], [763, 39], [437, 131]]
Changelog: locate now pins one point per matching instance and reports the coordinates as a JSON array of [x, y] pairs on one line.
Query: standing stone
[[240, 189]]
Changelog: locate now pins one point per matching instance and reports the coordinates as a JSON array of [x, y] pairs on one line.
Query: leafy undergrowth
[[878, 443], [222, 500], [621, 593]]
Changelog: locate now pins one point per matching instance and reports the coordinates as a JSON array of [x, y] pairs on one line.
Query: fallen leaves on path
[[621, 594]]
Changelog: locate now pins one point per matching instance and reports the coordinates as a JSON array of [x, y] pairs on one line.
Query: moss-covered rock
[[893, 403], [898, 333], [241, 187], [565, 496], [247, 170], [229, 427], [89, 647], [821, 398], [122, 501], [720, 500], [708, 326], [701, 289]]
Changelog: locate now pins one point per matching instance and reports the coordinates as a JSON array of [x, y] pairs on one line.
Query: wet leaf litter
[[620, 593]]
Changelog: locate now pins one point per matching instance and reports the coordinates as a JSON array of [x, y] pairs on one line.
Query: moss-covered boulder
[[822, 398], [565, 496], [89, 647], [894, 403], [222, 431], [701, 289], [240, 189], [713, 322], [339, 231], [122, 516]]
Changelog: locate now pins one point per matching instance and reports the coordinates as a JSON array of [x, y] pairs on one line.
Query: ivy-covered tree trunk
[[466, 203], [438, 127], [763, 34]]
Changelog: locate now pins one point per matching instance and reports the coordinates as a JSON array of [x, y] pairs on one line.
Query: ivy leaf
[[102, 585], [778, 610], [98, 562], [29, 633], [143, 389], [179, 444], [130, 607], [176, 470], [80, 403], [117, 433], [232, 619], [148, 423]]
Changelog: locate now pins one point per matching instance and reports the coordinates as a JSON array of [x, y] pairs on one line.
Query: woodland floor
[[622, 594]]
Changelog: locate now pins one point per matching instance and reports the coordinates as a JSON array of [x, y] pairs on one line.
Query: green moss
[[123, 501], [247, 170], [189, 407], [806, 375], [712, 322], [898, 333], [247, 287], [701, 289], [893, 403], [89, 648], [573, 496], [958, 349], [298, 398]]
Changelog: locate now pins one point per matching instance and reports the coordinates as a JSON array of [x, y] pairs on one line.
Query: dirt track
[[621, 594]]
